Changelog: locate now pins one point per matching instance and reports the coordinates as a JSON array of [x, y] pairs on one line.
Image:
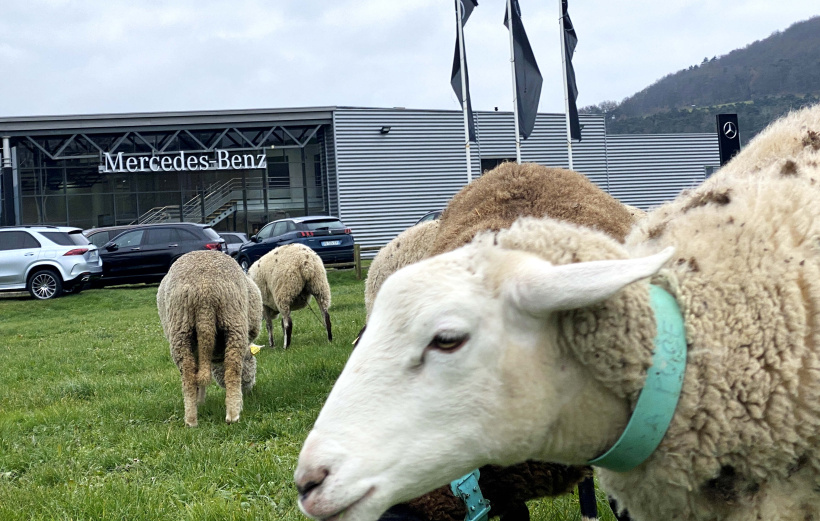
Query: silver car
[[46, 260]]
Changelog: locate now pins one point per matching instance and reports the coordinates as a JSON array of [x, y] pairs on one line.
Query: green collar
[[659, 397]]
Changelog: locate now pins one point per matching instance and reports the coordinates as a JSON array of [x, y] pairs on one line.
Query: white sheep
[[287, 277], [536, 342], [210, 312]]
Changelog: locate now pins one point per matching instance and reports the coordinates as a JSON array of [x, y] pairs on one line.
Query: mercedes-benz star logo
[[730, 130]]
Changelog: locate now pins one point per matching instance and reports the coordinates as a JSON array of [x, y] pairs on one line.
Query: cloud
[[96, 56]]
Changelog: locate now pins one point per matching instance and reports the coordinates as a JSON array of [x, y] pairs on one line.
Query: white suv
[[46, 260]]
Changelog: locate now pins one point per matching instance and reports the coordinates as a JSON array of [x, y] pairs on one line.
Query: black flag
[[467, 7], [570, 41], [527, 76]]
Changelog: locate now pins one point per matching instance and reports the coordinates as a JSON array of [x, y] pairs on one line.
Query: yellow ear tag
[[255, 349]]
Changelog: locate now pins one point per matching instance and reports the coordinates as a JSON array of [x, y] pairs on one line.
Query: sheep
[[546, 319], [492, 202], [287, 277], [210, 312], [411, 245]]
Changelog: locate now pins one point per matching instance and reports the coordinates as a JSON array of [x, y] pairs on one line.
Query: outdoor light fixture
[[385, 130]]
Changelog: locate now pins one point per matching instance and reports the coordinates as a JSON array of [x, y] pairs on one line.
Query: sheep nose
[[310, 479]]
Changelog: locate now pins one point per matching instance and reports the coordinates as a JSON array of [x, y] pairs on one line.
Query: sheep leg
[[269, 315], [327, 325], [205, 341], [235, 346], [287, 327], [183, 355]]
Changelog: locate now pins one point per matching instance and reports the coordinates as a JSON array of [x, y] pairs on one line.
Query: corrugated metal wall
[[387, 181], [648, 169], [328, 147]]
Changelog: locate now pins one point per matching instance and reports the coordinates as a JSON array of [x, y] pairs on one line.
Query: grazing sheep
[[550, 328], [493, 202], [287, 277], [210, 312], [511, 191]]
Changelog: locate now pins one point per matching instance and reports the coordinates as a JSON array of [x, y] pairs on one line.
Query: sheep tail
[[206, 340]]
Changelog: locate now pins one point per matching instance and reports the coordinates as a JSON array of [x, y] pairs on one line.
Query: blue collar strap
[[466, 488], [659, 397]]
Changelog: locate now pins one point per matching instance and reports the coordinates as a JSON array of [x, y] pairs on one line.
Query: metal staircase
[[220, 201]]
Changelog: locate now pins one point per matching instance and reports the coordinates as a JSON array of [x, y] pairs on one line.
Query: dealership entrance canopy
[[378, 170]]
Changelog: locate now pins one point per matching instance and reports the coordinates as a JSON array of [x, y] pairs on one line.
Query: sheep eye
[[446, 343]]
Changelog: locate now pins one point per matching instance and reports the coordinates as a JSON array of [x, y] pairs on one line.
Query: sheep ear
[[540, 287]]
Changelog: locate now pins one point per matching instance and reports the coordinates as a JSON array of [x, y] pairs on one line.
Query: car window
[[129, 239], [264, 233], [231, 239], [210, 233], [17, 240], [291, 226], [182, 234], [161, 236], [324, 224], [279, 228], [66, 238], [100, 238]]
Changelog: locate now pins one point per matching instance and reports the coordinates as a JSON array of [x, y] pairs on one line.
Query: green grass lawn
[[91, 414]]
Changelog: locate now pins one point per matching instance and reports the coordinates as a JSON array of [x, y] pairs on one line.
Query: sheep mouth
[[343, 512]]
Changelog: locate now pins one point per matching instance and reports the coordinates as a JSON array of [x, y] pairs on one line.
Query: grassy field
[[91, 415]]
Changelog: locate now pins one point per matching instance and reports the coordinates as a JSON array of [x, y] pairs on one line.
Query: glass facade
[[238, 179]]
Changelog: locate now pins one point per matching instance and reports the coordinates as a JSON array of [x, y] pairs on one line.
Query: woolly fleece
[[287, 277], [510, 191], [745, 439], [411, 245], [210, 312]]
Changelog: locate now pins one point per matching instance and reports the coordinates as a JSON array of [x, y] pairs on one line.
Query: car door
[[163, 246], [18, 250], [122, 256], [279, 229], [189, 241]]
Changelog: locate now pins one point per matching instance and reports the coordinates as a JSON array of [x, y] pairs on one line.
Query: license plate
[[331, 243]]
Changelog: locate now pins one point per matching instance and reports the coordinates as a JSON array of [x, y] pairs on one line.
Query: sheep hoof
[[191, 422], [232, 417]]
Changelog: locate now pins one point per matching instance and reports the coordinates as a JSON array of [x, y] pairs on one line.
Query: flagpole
[[464, 93], [514, 86], [564, 67]]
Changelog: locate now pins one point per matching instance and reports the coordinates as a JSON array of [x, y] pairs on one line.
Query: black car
[[99, 236], [145, 253], [325, 235]]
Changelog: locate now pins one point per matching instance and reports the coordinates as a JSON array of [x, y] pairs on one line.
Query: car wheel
[[45, 284], [244, 263]]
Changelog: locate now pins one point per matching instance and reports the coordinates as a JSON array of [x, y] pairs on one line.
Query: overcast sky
[[109, 56]]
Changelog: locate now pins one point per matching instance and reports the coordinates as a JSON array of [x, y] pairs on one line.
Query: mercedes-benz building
[[378, 170]]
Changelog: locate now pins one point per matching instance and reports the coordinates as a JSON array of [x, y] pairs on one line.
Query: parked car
[[326, 235], [100, 236], [233, 241], [46, 260], [145, 253], [429, 216]]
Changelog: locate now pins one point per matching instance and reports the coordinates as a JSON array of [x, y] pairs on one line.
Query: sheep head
[[458, 368]]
